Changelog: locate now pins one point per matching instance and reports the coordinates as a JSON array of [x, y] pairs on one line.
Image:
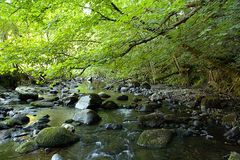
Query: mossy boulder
[[42, 104], [234, 156], [55, 137], [155, 138], [152, 120], [27, 147]]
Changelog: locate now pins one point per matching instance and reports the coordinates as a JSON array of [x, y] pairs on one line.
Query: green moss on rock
[[27, 147], [155, 138], [55, 137]]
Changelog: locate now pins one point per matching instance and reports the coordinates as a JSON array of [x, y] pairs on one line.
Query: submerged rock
[[109, 105], [87, 116], [122, 98], [26, 93], [91, 101], [152, 120], [112, 126], [55, 137], [42, 104], [27, 147], [155, 138]]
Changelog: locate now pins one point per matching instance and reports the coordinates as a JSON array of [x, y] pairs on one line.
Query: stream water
[[99, 144]]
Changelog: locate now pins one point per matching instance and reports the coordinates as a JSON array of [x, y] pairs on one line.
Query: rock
[[71, 100], [42, 104], [124, 89], [233, 133], [149, 107], [3, 126], [108, 87], [229, 119], [234, 156], [104, 95], [152, 120], [53, 91], [26, 93], [146, 85], [87, 116], [91, 101], [122, 98], [21, 119], [69, 127], [27, 147], [112, 126], [17, 119], [109, 105], [57, 157], [155, 138], [44, 119], [55, 137]]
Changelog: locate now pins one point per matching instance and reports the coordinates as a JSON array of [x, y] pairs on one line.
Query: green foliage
[[178, 42]]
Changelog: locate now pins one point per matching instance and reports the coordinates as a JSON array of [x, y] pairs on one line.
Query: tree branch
[[160, 31], [116, 8]]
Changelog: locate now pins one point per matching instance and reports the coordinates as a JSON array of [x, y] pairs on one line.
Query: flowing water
[[99, 144]]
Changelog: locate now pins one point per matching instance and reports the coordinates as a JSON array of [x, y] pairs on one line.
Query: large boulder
[[26, 93], [87, 116], [152, 120], [91, 101], [42, 104], [155, 138], [27, 147], [55, 137]]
